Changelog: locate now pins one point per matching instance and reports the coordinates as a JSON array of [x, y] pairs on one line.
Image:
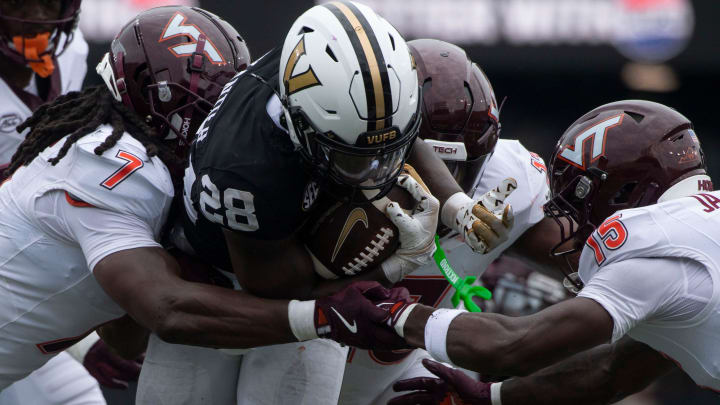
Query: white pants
[[305, 373], [186, 375], [61, 381], [369, 383]]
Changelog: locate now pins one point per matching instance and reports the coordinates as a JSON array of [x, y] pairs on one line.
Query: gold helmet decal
[[301, 81]]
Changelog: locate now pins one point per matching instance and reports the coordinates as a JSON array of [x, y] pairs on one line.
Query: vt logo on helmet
[[350, 94], [177, 27], [594, 138]]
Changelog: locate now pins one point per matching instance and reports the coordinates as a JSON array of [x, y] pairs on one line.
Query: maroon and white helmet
[[621, 155], [169, 64], [460, 114], [64, 24]]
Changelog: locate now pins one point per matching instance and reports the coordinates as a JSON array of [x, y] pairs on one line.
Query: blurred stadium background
[[554, 60]]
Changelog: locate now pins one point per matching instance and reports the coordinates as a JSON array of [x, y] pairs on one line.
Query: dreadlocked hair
[[78, 114]]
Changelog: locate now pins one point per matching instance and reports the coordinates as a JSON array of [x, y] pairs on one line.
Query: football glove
[[350, 316], [416, 231], [109, 369], [451, 387], [486, 223]]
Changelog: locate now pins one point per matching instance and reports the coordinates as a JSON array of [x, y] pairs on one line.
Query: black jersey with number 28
[[244, 173]]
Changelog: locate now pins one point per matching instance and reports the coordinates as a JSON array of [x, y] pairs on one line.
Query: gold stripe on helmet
[[372, 61]]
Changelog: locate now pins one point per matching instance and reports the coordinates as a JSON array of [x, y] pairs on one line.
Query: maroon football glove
[[109, 369], [351, 316], [452, 387]]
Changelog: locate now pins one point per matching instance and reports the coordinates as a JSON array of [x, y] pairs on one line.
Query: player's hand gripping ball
[[417, 231], [348, 239]]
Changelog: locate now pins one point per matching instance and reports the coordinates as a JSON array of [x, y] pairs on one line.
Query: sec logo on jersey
[[9, 122]]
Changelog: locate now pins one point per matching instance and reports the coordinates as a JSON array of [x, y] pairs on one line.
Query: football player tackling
[[461, 124], [336, 109], [632, 175]]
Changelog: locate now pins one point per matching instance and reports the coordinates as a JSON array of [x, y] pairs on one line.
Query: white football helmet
[[350, 89]]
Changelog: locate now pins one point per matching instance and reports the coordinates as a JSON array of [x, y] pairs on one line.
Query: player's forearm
[[209, 316], [602, 375], [125, 336], [477, 342], [433, 171], [534, 245], [146, 283], [501, 345]]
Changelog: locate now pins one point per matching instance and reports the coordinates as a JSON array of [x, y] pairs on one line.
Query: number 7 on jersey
[[133, 164]]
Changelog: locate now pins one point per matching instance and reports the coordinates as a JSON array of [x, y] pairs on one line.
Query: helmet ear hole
[[330, 53], [427, 85], [637, 117], [469, 96], [623, 195]]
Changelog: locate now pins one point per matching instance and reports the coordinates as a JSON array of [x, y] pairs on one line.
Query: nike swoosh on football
[[356, 215], [352, 328]]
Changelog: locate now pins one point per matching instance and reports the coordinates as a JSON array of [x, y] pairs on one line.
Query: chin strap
[[34, 50], [120, 81], [197, 64]]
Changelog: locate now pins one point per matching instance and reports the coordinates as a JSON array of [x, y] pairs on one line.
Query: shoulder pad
[[124, 178]]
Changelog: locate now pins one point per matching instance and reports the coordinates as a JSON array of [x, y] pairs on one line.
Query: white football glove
[[485, 224], [417, 232]]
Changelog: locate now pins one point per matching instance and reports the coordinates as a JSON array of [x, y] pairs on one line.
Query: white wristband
[[495, 394], [400, 324], [80, 349], [436, 330], [301, 315], [452, 206]]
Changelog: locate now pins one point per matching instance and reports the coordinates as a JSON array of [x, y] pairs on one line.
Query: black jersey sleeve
[[247, 176]]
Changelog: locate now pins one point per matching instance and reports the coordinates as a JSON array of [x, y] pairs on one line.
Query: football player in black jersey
[[336, 108]]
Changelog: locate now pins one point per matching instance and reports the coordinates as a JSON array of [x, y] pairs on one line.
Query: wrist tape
[[495, 393], [436, 330], [301, 315], [80, 349], [452, 207], [400, 324]]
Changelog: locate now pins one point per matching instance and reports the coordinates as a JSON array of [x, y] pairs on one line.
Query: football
[[347, 239]]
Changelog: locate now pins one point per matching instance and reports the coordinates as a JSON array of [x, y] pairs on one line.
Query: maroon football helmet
[[618, 156], [169, 64], [65, 24], [460, 114]]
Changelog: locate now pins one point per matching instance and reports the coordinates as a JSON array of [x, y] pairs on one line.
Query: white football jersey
[[72, 66], [57, 223], [679, 242], [369, 373]]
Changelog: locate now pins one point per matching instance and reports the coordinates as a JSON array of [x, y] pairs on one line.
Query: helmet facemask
[[40, 50], [347, 169]]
